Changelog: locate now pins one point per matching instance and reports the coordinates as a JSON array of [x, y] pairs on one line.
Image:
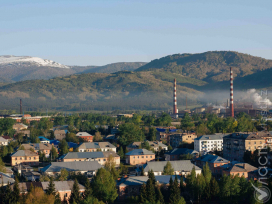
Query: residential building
[[31, 175], [177, 153], [209, 143], [8, 138], [85, 136], [60, 134], [63, 188], [101, 157], [20, 168], [239, 169], [96, 146], [3, 141], [130, 186], [26, 133], [85, 167], [19, 126], [236, 144], [5, 179], [110, 138], [181, 167], [179, 138], [267, 136], [25, 157], [39, 147], [139, 156], [44, 140], [163, 136], [156, 145], [214, 162], [8, 172]]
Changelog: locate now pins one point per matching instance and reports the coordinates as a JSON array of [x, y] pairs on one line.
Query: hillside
[[121, 90], [115, 67], [209, 66]]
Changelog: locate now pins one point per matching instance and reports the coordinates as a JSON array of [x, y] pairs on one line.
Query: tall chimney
[[231, 94], [175, 109], [21, 108]]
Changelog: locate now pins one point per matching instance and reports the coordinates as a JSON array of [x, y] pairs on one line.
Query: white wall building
[[208, 143]]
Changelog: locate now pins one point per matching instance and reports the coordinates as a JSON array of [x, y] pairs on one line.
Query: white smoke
[[256, 98]]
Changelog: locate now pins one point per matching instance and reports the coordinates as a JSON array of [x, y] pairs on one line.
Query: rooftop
[[96, 145], [139, 152], [83, 134], [88, 155], [212, 159], [179, 151], [239, 167], [23, 153], [211, 137]]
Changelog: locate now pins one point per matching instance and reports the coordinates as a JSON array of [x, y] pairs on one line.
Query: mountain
[[209, 66], [21, 68], [150, 87], [115, 67]]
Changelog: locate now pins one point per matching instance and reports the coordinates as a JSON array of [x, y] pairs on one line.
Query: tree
[[152, 134], [59, 121], [164, 120], [6, 125], [186, 123], [75, 194], [121, 153], [123, 169], [168, 169], [53, 153], [225, 187], [63, 175], [38, 196], [16, 191], [63, 146], [174, 191], [143, 194], [235, 189], [150, 187], [200, 186], [103, 186], [130, 133], [91, 200], [214, 190], [2, 166], [51, 188], [57, 199], [110, 166], [88, 190], [181, 201], [97, 137], [207, 173], [159, 195]]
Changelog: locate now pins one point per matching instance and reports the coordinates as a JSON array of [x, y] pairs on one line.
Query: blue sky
[[105, 31]]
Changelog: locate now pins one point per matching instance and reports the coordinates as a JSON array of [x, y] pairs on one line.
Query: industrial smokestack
[[175, 109], [21, 108], [231, 94]]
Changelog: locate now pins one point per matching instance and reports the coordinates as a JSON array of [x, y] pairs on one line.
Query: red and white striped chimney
[[175, 109], [231, 94]]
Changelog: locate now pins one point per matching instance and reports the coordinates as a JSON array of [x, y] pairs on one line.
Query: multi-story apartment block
[[178, 138], [94, 146], [236, 144], [139, 156], [101, 157], [25, 157], [209, 143]]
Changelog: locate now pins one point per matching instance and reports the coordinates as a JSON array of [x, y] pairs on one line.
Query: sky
[[88, 32]]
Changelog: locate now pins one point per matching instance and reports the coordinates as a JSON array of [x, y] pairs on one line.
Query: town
[[133, 158]]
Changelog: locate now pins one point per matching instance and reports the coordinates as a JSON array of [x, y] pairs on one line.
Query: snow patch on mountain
[[10, 59]]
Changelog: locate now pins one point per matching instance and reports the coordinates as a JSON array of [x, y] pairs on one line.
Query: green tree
[[53, 153], [207, 173], [186, 123], [130, 133], [235, 189], [57, 199], [63, 146], [75, 194], [225, 188], [88, 190], [200, 186], [103, 186], [121, 153], [63, 175], [182, 201], [2, 166], [152, 134], [164, 120], [16, 191], [110, 166], [59, 121], [174, 191], [215, 190], [150, 187], [91, 200], [6, 125], [159, 195], [97, 137], [51, 190], [168, 169], [143, 194]]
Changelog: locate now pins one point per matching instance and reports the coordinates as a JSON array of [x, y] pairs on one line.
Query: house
[[8, 138], [39, 147], [179, 138], [31, 175], [20, 168], [214, 162], [60, 134], [239, 169], [236, 144], [64, 188], [181, 167], [209, 143], [85, 167], [5, 179], [26, 133], [96, 146], [8, 172], [19, 126], [85, 136], [163, 136], [139, 156], [3, 141], [44, 140], [101, 157], [130, 186], [156, 145], [110, 138], [177, 153], [25, 157]]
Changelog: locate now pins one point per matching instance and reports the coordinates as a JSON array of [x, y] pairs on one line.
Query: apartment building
[[236, 144], [25, 157], [96, 146], [39, 147], [101, 157], [156, 145], [139, 156], [240, 169], [179, 138], [209, 143]]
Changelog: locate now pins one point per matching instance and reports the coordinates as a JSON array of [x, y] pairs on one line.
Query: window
[[248, 142], [104, 159], [133, 157], [142, 156], [29, 158], [65, 195], [150, 156], [238, 174], [138, 157], [215, 165], [21, 158], [34, 158], [254, 142], [146, 156]]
